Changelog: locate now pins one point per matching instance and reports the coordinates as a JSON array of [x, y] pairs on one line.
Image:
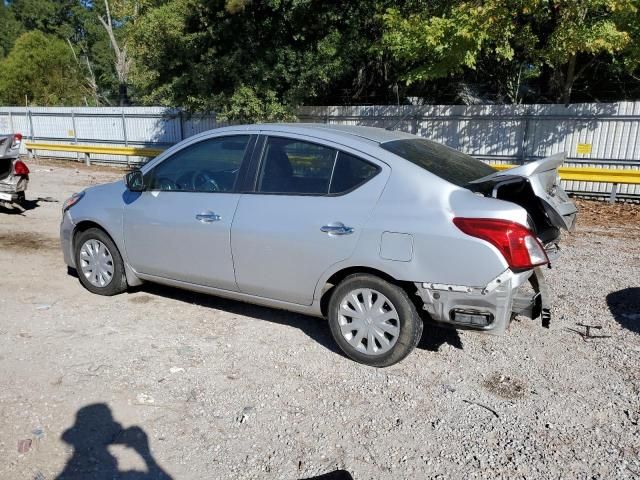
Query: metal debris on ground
[[587, 335], [470, 402]]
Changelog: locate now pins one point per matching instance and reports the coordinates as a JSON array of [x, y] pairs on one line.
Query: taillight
[[17, 140], [519, 246], [20, 168], [72, 200]]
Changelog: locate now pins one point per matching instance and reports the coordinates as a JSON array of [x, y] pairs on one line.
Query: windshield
[[451, 165]]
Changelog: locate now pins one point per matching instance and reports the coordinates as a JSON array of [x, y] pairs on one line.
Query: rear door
[[308, 205], [179, 227]]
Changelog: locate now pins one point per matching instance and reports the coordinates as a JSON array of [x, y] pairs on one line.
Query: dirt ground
[[162, 383]]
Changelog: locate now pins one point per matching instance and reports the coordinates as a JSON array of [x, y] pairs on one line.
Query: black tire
[[118, 283], [410, 322]]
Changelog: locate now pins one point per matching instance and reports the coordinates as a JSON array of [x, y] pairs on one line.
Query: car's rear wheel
[[373, 321], [99, 263]]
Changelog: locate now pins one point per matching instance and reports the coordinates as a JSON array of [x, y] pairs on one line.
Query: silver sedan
[[375, 230]]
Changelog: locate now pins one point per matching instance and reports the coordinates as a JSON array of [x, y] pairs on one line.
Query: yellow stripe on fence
[[89, 149], [591, 174]]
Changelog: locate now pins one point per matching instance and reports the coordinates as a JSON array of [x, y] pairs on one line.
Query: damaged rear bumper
[[12, 188], [489, 308]]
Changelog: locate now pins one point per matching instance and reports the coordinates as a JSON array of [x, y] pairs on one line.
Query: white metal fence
[[598, 135], [104, 126]]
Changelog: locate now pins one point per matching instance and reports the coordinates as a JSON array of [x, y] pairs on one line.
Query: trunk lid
[[536, 187]]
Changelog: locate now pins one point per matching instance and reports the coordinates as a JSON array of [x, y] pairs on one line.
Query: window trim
[[251, 185], [242, 169]]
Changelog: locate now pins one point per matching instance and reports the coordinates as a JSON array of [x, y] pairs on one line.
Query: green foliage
[[42, 68], [9, 29], [208, 55], [255, 60], [47, 16], [248, 106], [558, 34]]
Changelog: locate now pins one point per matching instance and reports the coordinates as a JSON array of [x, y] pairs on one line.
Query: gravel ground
[[189, 386]]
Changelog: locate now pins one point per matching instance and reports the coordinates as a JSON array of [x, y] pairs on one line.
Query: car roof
[[372, 134]]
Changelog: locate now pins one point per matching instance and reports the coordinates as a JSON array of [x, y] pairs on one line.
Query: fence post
[[614, 192], [124, 132], [75, 133], [525, 138], [181, 120], [11, 122], [31, 132]]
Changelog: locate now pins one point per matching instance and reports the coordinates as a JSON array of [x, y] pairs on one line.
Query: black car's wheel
[[99, 264], [373, 321]]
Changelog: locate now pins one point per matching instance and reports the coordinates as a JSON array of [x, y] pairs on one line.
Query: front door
[[309, 206], [179, 227]]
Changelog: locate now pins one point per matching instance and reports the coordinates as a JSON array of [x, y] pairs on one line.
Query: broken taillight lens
[[519, 246], [20, 168]]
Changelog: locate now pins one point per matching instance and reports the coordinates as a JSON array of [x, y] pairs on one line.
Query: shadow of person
[[625, 307], [93, 431]]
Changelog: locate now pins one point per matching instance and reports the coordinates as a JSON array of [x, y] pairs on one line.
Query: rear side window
[[447, 163], [296, 167], [292, 166], [350, 172]]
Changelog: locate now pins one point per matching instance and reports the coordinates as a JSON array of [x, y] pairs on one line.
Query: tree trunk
[[568, 81], [123, 95]]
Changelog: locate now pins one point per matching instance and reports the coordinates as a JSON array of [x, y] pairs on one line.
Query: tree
[[247, 106], [227, 56], [41, 70], [48, 16], [558, 39], [122, 61], [9, 29]]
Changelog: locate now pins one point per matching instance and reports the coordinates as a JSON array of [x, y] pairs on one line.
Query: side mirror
[[134, 181]]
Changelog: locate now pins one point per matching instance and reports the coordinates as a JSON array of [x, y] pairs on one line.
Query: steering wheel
[[164, 183], [204, 180]]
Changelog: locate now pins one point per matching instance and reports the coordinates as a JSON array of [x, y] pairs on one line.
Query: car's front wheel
[[373, 321], [99, 264]]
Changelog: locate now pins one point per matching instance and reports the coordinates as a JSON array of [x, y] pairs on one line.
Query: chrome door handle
[[208, 217], [336, 228]]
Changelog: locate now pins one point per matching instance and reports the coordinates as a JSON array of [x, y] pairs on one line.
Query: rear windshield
[[453, 166]]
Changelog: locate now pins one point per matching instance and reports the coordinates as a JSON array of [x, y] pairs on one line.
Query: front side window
[[451, 165], [295, 167], [207, 166]]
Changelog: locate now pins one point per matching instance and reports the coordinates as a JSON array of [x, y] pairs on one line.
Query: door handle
[[208, 217], [336, 228]]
